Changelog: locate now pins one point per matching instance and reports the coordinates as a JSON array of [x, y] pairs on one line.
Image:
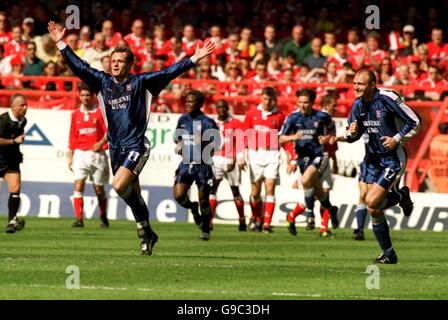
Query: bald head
[[364, 84]]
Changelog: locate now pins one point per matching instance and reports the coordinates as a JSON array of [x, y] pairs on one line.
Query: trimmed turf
[[233, 265]]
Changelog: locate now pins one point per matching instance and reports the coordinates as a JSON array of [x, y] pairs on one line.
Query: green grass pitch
[[233, 265]]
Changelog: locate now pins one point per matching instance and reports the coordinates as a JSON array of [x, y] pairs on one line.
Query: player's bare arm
[[285, 139]]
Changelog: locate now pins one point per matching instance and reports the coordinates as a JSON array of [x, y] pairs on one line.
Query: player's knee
[[372, 202], [122, 189], [178, 196]]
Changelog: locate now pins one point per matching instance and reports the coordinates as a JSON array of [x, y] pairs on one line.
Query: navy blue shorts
[[385, 170], [320, 162], [202, 174], [134, 159]]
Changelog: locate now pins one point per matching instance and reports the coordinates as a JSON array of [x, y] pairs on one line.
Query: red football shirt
[[265, 127], [230, 129], [86, 128]]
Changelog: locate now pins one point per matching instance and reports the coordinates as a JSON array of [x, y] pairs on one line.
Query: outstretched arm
[[156, 81], [79, 67]]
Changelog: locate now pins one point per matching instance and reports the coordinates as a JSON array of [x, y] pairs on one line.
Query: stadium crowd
[[288, 42]]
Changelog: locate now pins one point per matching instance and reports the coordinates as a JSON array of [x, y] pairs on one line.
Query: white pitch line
[[286, 294]]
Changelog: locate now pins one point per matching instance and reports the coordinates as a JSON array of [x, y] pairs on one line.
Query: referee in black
[[12, 124]]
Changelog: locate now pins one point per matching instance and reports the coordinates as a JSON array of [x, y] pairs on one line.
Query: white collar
[[13, 118], [85, 110], [266, 113]]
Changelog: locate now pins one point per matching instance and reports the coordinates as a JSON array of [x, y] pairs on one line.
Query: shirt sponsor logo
[[119, 103]]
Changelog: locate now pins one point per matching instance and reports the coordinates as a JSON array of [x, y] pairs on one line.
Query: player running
[[196, 137], [125, 101], [385, 122], [306, 127]]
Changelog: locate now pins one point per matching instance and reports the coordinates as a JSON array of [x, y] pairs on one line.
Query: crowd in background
[[288, 42]]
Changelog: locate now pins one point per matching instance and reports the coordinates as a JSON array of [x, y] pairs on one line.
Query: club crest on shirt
[[378, 114], [128, 87], [316, 124]]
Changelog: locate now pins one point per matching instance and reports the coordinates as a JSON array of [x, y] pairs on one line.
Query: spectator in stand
[[33, 65], [333, 75], [72, 41], [270, 43], [207, 89], [260, 77], [259, 53], [437, 49], [386, 73], [177, 53], [434, 80], [373, 55], [422, 56], [135, 39], [161, 44], [303, 74], [111, 37], [189, 41], [105, 62], [216, 38], [17, 72], [298, 45], [144, 60], [246, 47], [16, 45], [99, 49], [329, 47], [44, 83], [341, 57], [287, 88], [85, 40], [415, 73], [315, 59], [274, 66], [233, 77], [409, 41], [403, 78], [290, 61], [28, 29], [5, 35], [355, 48], [232, 51]]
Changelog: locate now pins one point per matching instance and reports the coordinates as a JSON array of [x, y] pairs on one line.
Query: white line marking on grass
[[285, 294], [288, 294]]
